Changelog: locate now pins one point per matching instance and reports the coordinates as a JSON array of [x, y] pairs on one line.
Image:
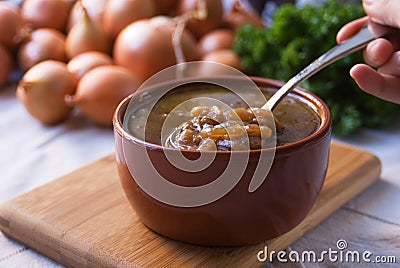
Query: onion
[[101, 90], [95, 10], [70, 3], [224, 56], [42, 90], [10, 23], [212, 21], [86, 36], [5, 65], [165, 6], [239, 16], [217, 39], [45, 13], [83, 63], [145, 47], [120, 13], [42, 44]]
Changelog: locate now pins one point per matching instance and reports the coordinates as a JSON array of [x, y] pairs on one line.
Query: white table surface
[[33, 154]]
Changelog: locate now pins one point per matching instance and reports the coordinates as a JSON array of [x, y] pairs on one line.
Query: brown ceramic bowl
[[239, 217]]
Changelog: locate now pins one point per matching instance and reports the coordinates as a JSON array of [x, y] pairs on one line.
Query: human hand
[[383, 54]]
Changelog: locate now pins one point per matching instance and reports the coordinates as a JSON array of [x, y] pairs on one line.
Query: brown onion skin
[[224, 56], [94, 8], [146, 48], [120, 13], [101, 90], [10, 23], [42, 44], [42, 90], [70, 3], [6, 64], [165, 7], [216, 39], [84, 62], [237, 19], [45, 13], [86, 36], [201, 27]]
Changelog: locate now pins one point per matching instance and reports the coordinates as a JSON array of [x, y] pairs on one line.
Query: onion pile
[[101, 90], [120, 13], [42, 91], [224, 56], [214, 40], [213, 19], [86, 36], [45, 13], [240, 16], [165, 7], [145, 47], [10, 23], [68, 48], [42, 44], [5, 65], [83, 63], [95, 11]]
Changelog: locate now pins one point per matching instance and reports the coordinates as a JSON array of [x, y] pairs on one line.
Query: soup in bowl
[[238, 176]]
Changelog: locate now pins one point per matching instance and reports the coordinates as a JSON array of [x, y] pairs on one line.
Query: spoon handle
[[358, 41]]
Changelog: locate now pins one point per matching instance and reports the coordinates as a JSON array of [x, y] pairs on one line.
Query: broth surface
[[298, 120]]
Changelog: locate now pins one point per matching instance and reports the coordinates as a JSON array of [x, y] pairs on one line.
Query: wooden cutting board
[[84, 220]]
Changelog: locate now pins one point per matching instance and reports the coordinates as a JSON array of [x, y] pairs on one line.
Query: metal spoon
[[368, 32]]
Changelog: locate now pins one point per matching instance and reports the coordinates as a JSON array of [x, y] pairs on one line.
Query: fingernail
[[371, 55]]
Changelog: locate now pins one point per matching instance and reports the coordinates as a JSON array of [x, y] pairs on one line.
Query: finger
[[350, 29], [378, 52], [385, 12], [380, 85], [392, 66]]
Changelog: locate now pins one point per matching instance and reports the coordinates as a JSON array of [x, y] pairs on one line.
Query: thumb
[[385, 12]]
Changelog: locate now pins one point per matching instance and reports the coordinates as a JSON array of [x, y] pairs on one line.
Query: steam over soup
[[230, 123]]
